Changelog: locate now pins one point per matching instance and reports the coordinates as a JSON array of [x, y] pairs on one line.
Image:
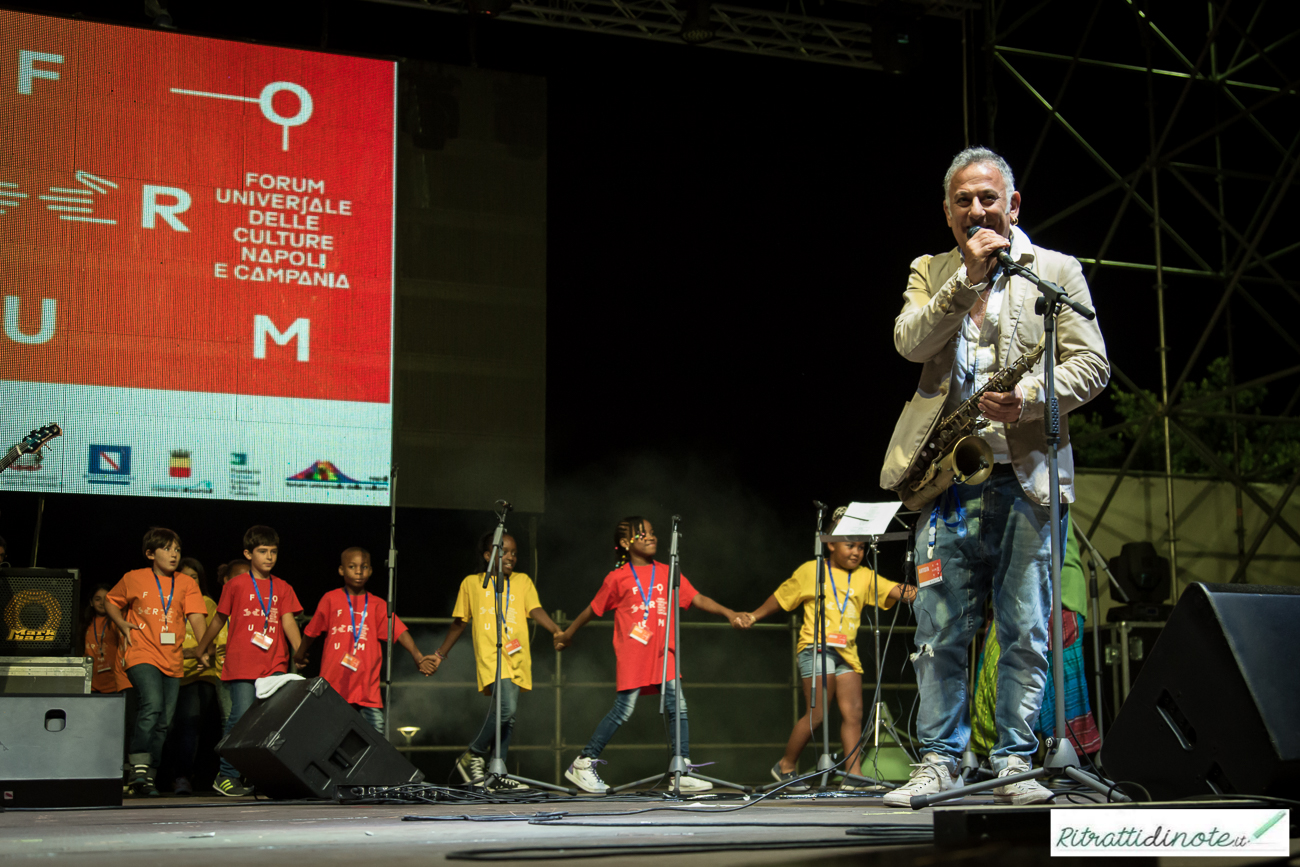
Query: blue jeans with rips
[[990, 538], [486, 739], [624, 704]]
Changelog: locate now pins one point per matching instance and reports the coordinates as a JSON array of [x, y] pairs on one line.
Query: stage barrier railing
[[559, 746]]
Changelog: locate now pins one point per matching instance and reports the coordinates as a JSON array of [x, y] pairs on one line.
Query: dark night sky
[[728, 239]]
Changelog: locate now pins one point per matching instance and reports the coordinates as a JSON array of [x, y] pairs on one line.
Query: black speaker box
[[1216, 708], [61, 750], [304, 740], [41, 611]]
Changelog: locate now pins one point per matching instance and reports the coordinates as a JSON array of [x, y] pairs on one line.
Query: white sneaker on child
[[692, 785], [1023, 792], [582, 773], [931, 776], [505, 784]]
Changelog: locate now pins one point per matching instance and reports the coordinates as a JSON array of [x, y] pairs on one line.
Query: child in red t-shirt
[[355, 621], [260, 609], [637, 592], [156, 603]]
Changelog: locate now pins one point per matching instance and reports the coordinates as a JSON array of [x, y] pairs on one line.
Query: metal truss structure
[[842, 36], [1171, 129]]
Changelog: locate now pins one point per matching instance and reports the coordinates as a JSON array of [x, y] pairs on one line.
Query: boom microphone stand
[[392, 602], [678, 767], [497, 766], [1061, 757]]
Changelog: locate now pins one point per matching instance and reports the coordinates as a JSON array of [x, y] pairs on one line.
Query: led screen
[[196, 263]]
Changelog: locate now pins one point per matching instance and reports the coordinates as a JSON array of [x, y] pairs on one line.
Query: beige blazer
[[936, 301]]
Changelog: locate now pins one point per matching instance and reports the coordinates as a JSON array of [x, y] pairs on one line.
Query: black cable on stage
[[886, 835]]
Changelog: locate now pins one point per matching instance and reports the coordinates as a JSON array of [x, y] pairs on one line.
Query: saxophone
[[951, 453]]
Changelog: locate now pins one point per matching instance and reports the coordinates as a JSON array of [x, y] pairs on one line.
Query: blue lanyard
[[645, 597], [167, 603], [502, 614], [848, 586], [99, 636], [941, 508], [352, 614], [266, 609]]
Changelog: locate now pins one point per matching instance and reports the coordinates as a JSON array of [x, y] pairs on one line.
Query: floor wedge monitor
[[1216, 708]]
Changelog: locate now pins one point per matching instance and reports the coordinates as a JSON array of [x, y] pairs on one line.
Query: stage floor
[[808, 830]]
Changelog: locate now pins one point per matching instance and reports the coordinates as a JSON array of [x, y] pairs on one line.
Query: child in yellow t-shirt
[[477, 603], [848, 590]]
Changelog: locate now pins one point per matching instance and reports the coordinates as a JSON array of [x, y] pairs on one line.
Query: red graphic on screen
[[194, 215]]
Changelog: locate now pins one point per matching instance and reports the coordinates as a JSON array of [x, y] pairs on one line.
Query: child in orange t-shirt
[[260, 610], [101, 643], [156, 603]]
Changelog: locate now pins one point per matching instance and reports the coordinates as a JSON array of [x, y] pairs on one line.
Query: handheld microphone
[[819, 504], [1003, 258], [502, 504]]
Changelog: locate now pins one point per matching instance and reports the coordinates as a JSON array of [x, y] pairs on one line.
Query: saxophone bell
[[971, 461]]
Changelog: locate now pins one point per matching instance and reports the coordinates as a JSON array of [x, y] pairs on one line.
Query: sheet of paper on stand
[[863, 522]]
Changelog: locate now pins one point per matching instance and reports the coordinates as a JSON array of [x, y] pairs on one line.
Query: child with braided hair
[[637, 592]]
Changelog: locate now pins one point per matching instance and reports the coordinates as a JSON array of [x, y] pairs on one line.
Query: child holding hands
[[353, 620], [637, 592]]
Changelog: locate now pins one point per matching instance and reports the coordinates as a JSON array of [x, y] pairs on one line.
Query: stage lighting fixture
[[158, 13], [697, 25], [489, 8]]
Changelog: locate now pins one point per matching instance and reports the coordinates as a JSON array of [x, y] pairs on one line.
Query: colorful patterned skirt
[[1078, 714]]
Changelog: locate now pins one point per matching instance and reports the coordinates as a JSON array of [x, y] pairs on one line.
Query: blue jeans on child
[[1002, 545], [157, 704], [624, 704], [195, 702], [486, 739], [242, 695], [372, 715]]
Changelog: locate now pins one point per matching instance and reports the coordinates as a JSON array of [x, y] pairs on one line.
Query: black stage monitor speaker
[[61, 750], [40, 610], [1216, 708], [304, 740]]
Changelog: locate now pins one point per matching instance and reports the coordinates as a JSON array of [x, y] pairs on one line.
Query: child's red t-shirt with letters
[[336, 616], [639, 634], [255, 612]]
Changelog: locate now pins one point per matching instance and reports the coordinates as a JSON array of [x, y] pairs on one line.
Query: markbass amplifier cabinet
[[39, 612], [304, 740], [61, 750], [1216, 709]]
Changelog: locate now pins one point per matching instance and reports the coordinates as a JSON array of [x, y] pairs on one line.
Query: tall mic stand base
[[497, 771], [678, 768], [1061, 759]]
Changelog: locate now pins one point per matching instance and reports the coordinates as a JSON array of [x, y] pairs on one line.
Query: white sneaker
[[582, 773], [1023, 792], [931, 776], [692, 785], [472, 768]]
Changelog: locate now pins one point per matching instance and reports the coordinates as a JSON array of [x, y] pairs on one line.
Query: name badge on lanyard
[[350, 660], [263, 639], [642, 632], [166, 637], [839, 639]]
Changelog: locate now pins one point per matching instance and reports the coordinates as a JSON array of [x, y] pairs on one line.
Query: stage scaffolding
[[1170, 132]]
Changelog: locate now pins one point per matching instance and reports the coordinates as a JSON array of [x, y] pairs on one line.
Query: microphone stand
[[497, 766], [678, 767], [1061, 757], [392, 603]]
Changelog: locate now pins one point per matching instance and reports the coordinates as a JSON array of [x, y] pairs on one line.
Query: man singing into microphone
[[965, 318]]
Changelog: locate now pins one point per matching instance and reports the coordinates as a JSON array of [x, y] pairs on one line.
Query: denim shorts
[[810, 663]]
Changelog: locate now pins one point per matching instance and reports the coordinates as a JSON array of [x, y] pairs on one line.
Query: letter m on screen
[[300, 330]]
